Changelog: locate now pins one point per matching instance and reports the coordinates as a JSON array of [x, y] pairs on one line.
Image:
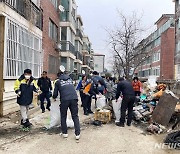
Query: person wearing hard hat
[[69, 99]]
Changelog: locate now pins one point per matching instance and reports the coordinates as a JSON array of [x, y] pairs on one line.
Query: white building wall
[[9, 96], [99, 63]]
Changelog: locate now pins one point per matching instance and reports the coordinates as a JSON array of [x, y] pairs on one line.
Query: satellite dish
[[83, 72], [61, 8], [62, 68]]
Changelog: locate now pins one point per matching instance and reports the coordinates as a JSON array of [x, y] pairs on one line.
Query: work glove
[[19, 94]]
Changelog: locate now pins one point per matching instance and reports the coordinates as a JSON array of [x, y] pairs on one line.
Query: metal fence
[[26, 9], [79, 55], [67, 46]]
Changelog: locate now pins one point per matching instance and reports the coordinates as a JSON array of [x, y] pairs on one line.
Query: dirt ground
[[107, 139]]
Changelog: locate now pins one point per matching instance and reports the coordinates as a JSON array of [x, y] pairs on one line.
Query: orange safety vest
[[87, 88]]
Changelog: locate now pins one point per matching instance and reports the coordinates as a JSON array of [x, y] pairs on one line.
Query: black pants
[[127, 104], [87, 104], [73, 106], [137, 93], [82, 95], [42, 97]]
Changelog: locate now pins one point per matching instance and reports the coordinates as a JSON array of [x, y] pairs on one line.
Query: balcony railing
[[64, 16], [79, 33], [86, 61], [67, 46], [26, 9], [79, 55]]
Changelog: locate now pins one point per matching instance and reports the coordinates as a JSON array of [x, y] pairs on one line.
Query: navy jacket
[[126, 88], [64, 85], [45, 84], [26, 89]]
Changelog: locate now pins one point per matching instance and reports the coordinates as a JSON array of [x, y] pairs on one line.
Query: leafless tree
[[127, 44]]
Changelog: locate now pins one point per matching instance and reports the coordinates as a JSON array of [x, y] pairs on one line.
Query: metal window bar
[[26, 9], [67, 46], [20, 52]]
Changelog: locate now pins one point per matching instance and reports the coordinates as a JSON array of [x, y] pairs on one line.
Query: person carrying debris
[[69, 99], [125, 87], [45, 86], [24, 88]]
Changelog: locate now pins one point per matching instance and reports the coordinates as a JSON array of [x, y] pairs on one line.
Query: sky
[[97, 15]]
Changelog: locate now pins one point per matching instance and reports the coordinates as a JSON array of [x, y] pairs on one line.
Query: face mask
[[27, 77]]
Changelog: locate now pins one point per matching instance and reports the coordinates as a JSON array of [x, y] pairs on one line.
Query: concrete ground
[[107, 139]]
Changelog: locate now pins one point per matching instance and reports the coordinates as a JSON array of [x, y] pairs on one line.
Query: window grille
[[53, 30], [23, 50], [55, 3], [53, 64]]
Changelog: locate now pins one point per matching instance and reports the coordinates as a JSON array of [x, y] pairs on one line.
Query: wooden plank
[[2, 29], [164, 109]]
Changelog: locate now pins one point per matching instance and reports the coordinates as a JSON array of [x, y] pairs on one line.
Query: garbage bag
[[117, 108], [69, 122], [173, 140], [101, 101], [54, 115], [55, 118]]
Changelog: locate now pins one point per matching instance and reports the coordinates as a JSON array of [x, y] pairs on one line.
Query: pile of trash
[[156, 106]]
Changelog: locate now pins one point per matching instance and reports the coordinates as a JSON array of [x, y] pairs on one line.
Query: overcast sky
[[100, 14]]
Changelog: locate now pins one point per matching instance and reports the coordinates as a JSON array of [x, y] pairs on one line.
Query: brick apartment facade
[[167, 54], [161, 46], [51, 55]]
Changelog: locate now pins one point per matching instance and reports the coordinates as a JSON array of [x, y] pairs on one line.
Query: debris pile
[[156, 106]]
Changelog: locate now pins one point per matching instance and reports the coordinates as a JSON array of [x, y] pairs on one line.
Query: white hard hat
[[62, 68], [83, 72]]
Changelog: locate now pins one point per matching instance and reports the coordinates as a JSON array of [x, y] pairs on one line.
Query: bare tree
[[127, 44]]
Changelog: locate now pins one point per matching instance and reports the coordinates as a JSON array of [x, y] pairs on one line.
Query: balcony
[[79, 33], [26, 9], [86, 60], [67, 46], [79, 56], [64, 16]]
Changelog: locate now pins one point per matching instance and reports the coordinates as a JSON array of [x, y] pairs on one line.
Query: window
[[64, 62], [53, 64], [36, 2], [53, 30], [178, 47], [23, 51], [71, 65], [54, 2], [156, 71], [156, 57], [63, 33], [76, 46], [178, 71], [157, 42], [64, 16]]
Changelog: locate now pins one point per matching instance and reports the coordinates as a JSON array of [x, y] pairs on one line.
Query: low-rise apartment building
[[20, 46], [160, 46]]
